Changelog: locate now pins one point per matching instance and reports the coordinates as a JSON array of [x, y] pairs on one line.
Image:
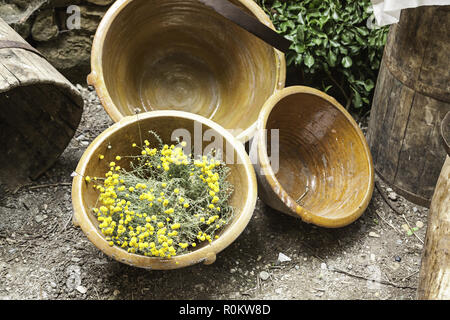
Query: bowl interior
[[121, 140], [323, 158], [181, 55]]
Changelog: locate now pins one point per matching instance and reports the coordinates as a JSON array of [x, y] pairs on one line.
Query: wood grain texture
[[40, 111], [411, 98], [434, 279]]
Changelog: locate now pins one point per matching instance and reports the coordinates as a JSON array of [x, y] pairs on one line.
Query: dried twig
[[407, 277], [32, 186], [369, 279], [410, 228], [50, 185], [385, 221]]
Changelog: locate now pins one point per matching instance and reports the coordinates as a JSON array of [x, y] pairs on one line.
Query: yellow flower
[[101, 157], [169, 211], [118, 158], [88, 179]]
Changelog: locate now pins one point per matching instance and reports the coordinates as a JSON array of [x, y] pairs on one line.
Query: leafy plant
[[332, 47]]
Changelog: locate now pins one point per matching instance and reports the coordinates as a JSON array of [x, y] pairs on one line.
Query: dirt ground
[[43, 256]]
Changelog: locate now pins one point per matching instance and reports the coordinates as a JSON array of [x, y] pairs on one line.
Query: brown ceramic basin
[[325, 172], [182, 55], [129, 130]]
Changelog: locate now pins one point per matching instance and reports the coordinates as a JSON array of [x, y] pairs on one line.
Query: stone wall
[[44, 24]]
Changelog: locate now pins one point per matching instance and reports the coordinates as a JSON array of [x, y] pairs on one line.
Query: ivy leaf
[[309, 60], [300, 34], [332, 58], [347, 62]]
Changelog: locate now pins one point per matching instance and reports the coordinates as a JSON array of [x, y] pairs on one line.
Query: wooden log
[[434, 278], [39, 110], [411, 98]]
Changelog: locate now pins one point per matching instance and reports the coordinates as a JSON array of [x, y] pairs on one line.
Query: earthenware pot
[[323, 172], [182, 55], [118, 139]]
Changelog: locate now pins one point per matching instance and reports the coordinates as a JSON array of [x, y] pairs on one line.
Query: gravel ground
[[43, 256]]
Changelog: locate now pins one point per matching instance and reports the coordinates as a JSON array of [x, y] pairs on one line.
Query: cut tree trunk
[[434, 279], [411, 98], [39, 110]]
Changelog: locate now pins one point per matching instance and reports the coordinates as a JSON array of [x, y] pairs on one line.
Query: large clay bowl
[[120, 137], [325, 172], [182, 55]]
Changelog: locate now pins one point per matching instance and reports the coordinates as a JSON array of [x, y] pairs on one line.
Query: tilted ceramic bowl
[[182, 55], [323, 172]]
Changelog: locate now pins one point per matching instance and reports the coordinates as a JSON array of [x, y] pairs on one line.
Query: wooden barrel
[[40, 110], [411, 98], [434, 279]]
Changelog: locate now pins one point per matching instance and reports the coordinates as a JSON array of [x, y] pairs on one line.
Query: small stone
[[39, 218], [296, 267], [392, 196], [278, 290], [258, 258], [263, 275], [389, 190], [373, 235], [116, 293], [372, 257], [414, 209], [419, 224], [323, 266], [283, 258], [81, 289], [405, 227], [398, 259], [52, 284], [232, 270], [349, 267]]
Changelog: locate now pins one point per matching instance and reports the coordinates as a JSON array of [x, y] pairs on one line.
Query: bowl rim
[[207, 253], [97, 80], [268, 174]]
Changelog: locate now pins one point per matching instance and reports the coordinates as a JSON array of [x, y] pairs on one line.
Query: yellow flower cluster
[[165, 204]]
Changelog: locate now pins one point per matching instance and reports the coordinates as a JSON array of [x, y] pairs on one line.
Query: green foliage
[[332, 47]]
